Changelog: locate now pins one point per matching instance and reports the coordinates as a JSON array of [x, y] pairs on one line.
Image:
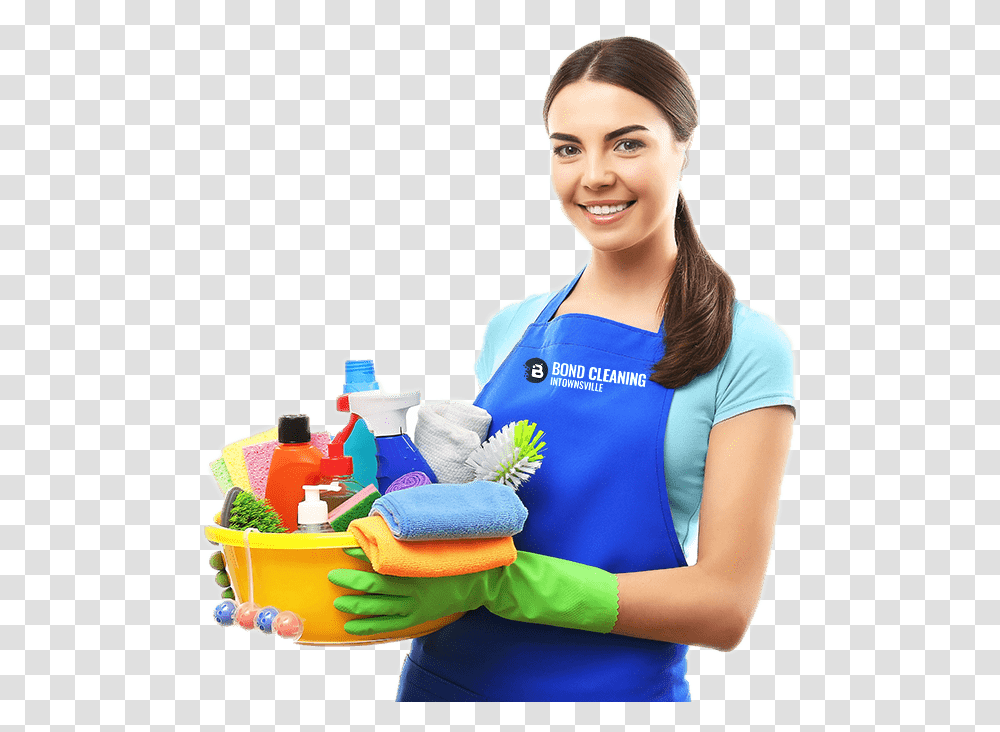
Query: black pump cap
[[294, 428]]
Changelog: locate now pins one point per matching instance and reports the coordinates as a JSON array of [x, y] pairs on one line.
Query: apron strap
[[550, 309]]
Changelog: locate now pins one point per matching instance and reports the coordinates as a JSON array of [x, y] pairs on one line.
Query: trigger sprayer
[[385, 416]]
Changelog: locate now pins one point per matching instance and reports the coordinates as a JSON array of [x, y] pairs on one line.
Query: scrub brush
[[242, 510], [510, 456]]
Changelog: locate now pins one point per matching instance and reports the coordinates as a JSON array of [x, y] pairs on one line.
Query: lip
[[605, 220]]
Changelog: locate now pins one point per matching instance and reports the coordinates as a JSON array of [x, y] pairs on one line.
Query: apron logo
[[592, 378], [535, 370]]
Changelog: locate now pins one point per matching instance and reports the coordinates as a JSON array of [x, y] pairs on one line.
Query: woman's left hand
[[398, 603]]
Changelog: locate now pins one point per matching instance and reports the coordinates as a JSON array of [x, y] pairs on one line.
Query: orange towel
[[443, 558]]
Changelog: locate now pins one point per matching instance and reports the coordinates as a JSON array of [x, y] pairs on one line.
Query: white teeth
[[605, 210]]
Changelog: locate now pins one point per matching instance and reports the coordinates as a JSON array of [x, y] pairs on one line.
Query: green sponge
[[221, 473], [359, 511]]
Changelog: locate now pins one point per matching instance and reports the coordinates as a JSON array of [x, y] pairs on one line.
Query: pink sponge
[[258, 460]]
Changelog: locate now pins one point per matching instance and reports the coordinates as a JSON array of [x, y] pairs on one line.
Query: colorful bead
[[265, 617], [246, 614], [288, 625], [225, 613]]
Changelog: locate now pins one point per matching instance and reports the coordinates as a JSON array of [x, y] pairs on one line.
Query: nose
[[598, 173]]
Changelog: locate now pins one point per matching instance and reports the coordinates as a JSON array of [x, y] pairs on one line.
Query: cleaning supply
[[359, 375], [353, 501], [511, 456], [232, 454], [358, 510], [295, 463], [313, 514], [408, 481], [478, 510], [446, 433], [227, 506], [359, 445], [533, 589], [257, 459], [385, 416], [241, 510], [221, 474], [388, 555]]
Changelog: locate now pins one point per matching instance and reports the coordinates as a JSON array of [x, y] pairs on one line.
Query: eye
[[558, 151]]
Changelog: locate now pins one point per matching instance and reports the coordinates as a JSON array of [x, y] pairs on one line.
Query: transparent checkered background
[[205, 209]]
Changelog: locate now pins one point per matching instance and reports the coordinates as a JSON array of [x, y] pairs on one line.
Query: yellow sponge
[[233, 457]]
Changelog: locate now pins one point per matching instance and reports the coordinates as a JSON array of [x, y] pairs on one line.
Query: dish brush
[[511, 456], [242, 510]]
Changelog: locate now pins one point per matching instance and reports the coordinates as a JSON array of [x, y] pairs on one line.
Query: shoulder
[[753, 330], [758, 368]]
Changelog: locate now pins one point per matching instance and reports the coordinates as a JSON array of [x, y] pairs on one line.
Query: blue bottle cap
[[359, 375]]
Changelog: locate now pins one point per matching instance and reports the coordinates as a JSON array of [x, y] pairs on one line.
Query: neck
[[639, 274]]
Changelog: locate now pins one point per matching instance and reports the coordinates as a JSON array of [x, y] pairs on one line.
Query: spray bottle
[[359, 375], [385, 416]]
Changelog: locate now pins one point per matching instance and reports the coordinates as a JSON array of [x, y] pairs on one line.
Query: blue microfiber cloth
[[478, 510]]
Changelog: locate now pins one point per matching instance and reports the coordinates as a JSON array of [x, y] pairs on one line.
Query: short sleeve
[[496, 331], [484, 364], [758, 370]]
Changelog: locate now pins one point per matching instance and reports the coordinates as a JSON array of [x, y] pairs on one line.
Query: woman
[[601, 603]]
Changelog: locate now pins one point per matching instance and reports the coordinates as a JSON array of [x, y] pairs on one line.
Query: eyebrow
[[607, 138]]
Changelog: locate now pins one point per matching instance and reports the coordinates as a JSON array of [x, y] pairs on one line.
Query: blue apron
[[599, 498]]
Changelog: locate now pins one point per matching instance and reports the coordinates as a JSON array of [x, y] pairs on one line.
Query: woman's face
[[641, 165]]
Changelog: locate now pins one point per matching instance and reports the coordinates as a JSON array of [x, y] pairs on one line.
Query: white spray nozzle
[[385, 414]]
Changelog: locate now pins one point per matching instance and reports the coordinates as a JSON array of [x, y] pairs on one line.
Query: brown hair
[[700, 297]]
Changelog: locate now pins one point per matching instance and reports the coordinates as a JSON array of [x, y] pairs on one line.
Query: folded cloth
[[478, 510], [390, 556], [446, 434]]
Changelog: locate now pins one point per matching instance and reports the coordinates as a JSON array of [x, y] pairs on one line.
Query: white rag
[[446, 434]]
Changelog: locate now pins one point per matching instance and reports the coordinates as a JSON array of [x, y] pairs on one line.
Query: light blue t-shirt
[[757, 371]]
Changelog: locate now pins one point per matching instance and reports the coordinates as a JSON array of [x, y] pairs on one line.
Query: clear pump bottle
[[313, 511]]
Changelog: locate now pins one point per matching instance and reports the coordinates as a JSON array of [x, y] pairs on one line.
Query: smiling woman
[[618, 183], [667, 411]]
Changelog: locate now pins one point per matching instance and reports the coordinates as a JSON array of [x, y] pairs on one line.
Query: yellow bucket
[[290, 573]]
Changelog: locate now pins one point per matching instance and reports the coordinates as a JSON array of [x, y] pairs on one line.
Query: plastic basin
[[290, 573]]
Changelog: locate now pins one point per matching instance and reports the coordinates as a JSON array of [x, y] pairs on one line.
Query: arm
[[712, 602], [709, 604]]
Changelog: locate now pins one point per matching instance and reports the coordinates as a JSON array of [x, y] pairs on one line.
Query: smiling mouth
[[630, 204]]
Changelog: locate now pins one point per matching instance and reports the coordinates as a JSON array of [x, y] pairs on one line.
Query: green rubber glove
[[534, 589]]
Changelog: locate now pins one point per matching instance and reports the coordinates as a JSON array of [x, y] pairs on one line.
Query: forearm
[[684, 605]]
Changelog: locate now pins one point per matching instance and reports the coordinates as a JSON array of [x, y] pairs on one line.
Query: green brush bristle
[[510, 456], [249, 512], [528, 447]]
